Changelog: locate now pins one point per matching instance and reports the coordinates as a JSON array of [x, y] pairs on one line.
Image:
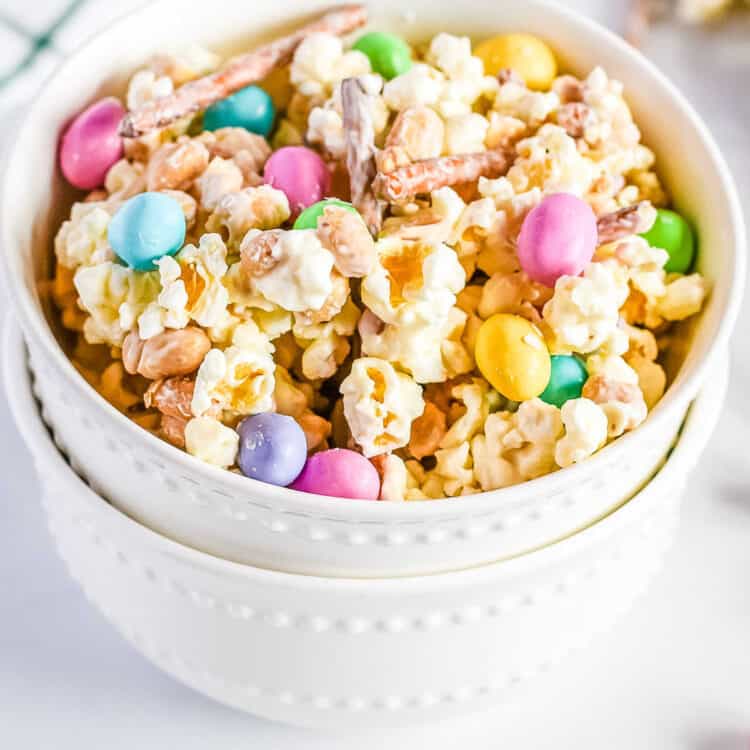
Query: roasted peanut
[[345, 235], [172, 397], [175, 166], [316, 429], [427, 431], [259, 252], [601, 389], [172, 429], [173, 352]]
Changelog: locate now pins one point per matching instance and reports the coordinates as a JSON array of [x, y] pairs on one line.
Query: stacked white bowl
[[261, 621]]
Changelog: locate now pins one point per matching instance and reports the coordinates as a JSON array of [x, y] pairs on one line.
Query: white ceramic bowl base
[[340, 653], [243, 520]]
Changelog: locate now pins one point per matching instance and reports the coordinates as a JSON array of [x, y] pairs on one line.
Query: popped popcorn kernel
[[380, 404]]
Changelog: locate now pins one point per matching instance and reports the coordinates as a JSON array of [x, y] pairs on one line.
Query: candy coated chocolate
[[273, 448], [566, 379], [145, 228], [300, 174], [250, 108], [91, 144], [557, 238], [339, 473]]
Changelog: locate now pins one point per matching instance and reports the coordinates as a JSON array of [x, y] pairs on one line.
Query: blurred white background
[[675, 673]]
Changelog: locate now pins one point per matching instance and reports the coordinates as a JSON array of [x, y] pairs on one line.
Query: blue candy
[[250, 108], [273, 448], [145, 228]]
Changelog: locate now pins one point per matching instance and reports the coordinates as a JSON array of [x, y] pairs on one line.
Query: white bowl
[[342, 653], [242, 520]]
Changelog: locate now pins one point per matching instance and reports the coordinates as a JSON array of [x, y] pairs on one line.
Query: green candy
[[565, 381], [389, 55], [308, 219], [672, 233]]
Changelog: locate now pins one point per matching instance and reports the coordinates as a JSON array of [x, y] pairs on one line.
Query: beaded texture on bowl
[[326, 540], [452, 643]]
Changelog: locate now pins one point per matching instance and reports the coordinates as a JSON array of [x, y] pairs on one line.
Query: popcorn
[[465, 134], [395, 479], [191, 288], [146, 85], [82, 239], [412, 282], [380, 405], [184, 64], [531, 108], [235, 214], [517, 446], [239, 379], [326, 345], [551, 161], [478, 399], [124, 180], [465, 74], [300, 277], [420, 85], [585, 431], [584, 310], [221, 177], [320, 61], [683, 297], [113, 296], [208, 439]]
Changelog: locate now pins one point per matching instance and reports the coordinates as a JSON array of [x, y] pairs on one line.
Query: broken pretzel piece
[[430, 174], [242, 71], [635, 219], [360, 152]]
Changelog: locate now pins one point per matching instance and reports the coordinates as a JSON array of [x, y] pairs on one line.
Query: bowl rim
[[700, 422], [33, 320]]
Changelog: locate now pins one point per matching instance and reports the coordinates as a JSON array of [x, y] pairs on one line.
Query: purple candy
[[299, 173], [273, 448], [92, 144], [557, 238], [340, 473]]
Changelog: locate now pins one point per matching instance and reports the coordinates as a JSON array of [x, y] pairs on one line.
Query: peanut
[[173, 352], [175, 166], [345, 235], [427, 431], [258, 252]]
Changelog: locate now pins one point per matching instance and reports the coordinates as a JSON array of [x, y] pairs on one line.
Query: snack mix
[[372, 270]]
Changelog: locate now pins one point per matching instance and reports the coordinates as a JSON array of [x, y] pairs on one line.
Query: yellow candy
[[527, 55], [511, 354]]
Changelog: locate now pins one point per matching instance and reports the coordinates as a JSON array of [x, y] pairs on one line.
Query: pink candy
[[91, 144], [557, 238], [299, 173], [339, 473]]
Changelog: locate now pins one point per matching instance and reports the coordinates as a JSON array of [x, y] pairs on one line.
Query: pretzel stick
[[430, 174], [360, 152], [634, 219], [238, 73]]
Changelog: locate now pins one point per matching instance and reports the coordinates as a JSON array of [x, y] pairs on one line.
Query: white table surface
[[674, 673]]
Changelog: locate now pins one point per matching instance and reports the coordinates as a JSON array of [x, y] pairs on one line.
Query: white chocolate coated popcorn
[[240, 379], [320, 62], [113, 296], [82, 239], [192, 288], [412, 282], [301, 278], [211, 441], [146, 85], [380, 405], [584, 310], [585, 431]]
